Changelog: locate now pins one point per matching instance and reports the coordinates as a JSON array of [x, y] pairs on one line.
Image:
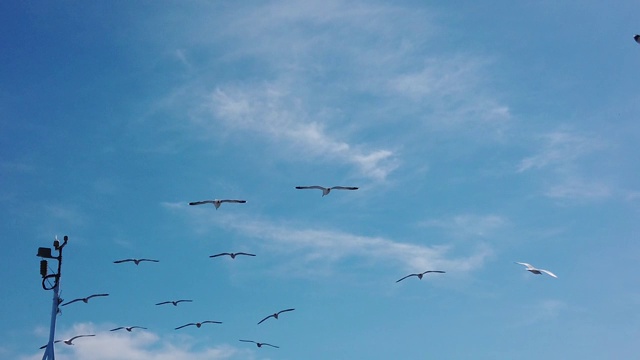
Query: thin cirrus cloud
[[562, 153], [271, 113], [302, 71], [326, 248], [140, 345]]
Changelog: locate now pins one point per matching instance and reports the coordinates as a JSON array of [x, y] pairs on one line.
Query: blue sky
[[479, 135]]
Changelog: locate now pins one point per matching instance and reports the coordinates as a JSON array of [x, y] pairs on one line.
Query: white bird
[[259, 344], [326, 190], [68, 341], [217, 202], [128, 328], [275, 316], [420, 275], [530, 268], [135, 261], [199, 324], [233, 255], [174, 302], [637, 38], [84, 300]]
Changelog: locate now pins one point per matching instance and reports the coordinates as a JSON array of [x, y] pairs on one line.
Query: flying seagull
[[275, 316], [84, 300], [136, 261], [68, 342], [420, 275], [128, 328], [199, 324], [174, 302], [217, 202], [532, 269], [637, 38], [259, 344], [325, 190], [233, 255]]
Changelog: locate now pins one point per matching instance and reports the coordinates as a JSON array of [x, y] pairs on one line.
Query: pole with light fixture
[[45, 253]]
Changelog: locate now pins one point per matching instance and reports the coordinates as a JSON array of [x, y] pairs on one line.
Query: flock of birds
[[217, 203]]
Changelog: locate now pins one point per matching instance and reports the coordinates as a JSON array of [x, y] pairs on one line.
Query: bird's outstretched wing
[[201, 202], [221, 254], [78, 336], [211, 322], [233, 201], [185, 325], [250, 341], [71, 302], [433, 271], [261, 321], [244, 253], [410, 275], [118, 328], [344, 188], [164, 302], [281, 311], [150, 260], [123, 260], [310, 187], [529, 266], [548, 273], [270, 345], [96, 295]]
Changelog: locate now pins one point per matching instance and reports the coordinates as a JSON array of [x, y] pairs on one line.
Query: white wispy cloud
[[326, 248], [276, 113], [137, 345], [559, 150], [306, 68], [563, 154]]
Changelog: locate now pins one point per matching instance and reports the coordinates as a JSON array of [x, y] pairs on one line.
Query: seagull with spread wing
[[275, 315], [420, 275], [68, 341], [128, 328], [217, 202], [233, 255], [135, 261], [174, 302], [199, 324], [84, 300], [259, 344], [530, 268], [326, 190]]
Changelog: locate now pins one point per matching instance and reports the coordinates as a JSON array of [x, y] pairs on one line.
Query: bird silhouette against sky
[[637, 38], [84, 300], [233, 255], [135, 261], [128, 328], [326, 190], [174, 302], [259, 344], [420, 275], [275, 315], [530, 268], [217, 202], [199, 324], [68, 341]]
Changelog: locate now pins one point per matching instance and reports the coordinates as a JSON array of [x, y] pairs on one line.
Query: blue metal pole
[[48, 352]]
